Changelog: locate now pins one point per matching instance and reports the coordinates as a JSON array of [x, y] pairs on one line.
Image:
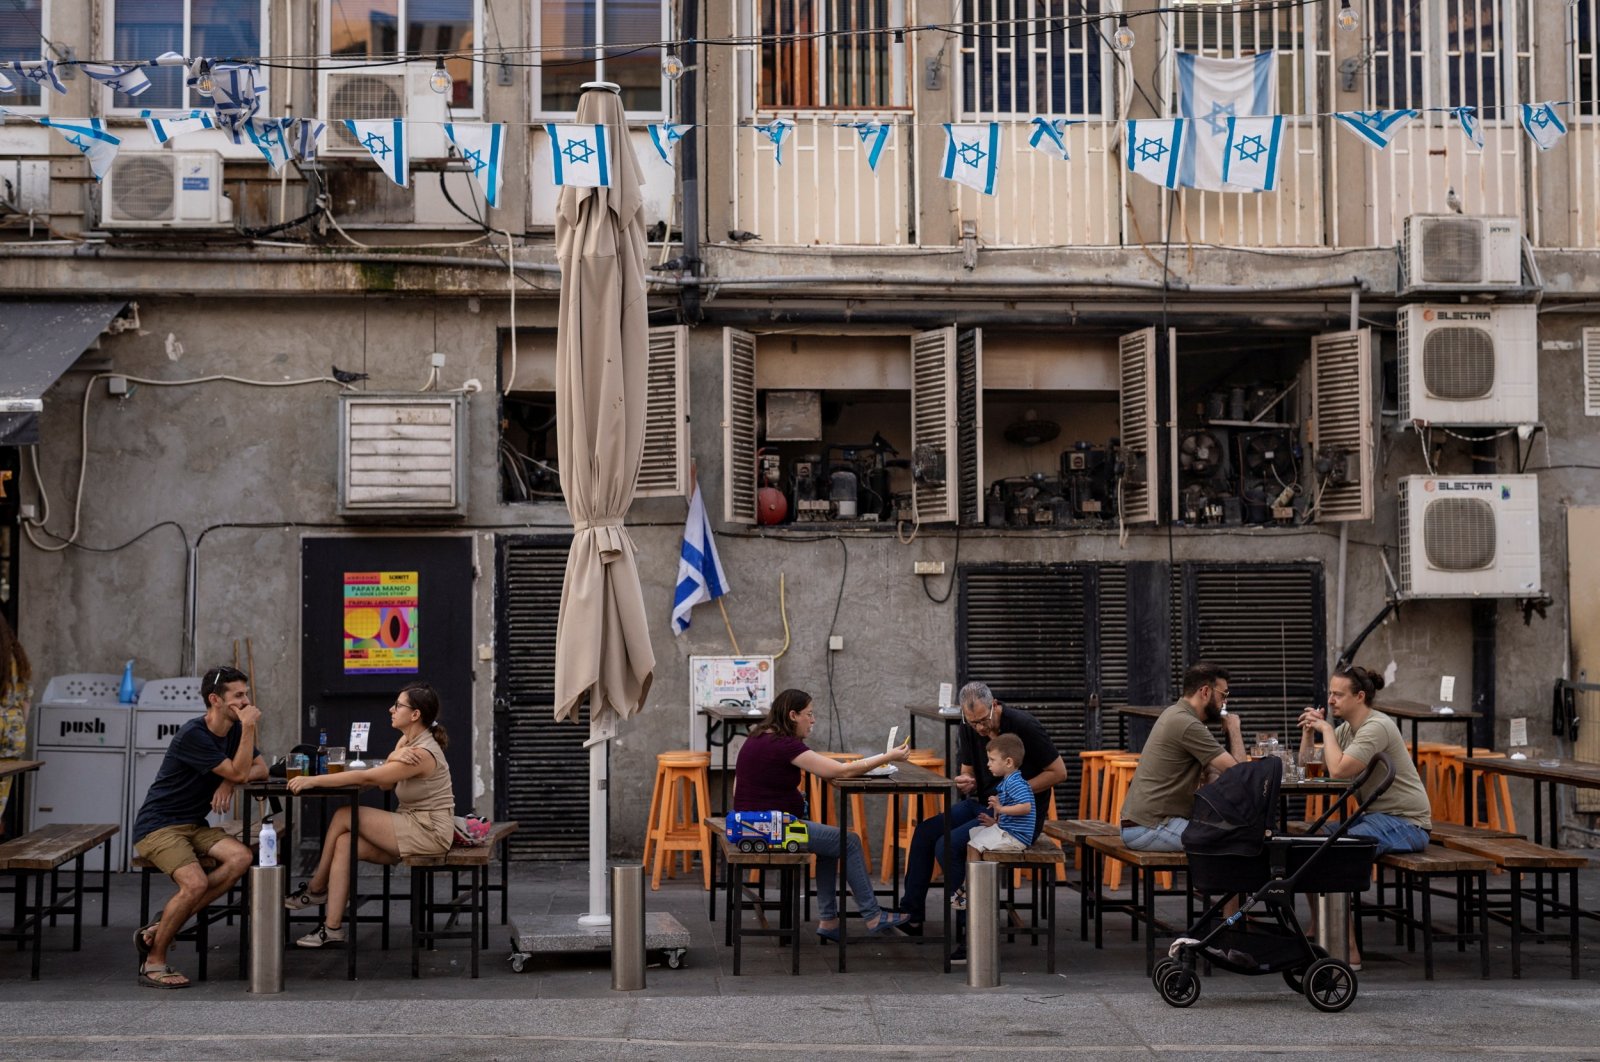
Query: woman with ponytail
[[424, 825]]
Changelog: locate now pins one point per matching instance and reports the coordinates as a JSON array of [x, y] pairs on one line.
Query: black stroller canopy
[[1233, 815]]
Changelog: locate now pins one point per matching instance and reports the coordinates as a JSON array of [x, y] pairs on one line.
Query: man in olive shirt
[[1175, 756]]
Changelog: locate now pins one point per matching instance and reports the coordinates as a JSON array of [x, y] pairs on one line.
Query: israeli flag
[[1155, 147], [1210, 91], [777, 131], [130, 80], [6, 84], [1250, 159], [700, 575], [665, 135], [303, 136], [267, 135], [1050, 136], [1468, 117], [385, 141], [89, 136], [581, 155], [972, 155], [873, 136], [238, 88], [41, 72], [1377, 128], [164, 125], [479, 144], [1543, 124]]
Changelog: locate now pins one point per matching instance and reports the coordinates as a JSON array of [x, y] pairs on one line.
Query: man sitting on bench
[[208, 756], [1156, 809]]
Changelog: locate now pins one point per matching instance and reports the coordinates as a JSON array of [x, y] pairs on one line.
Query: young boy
[[1008, 824]]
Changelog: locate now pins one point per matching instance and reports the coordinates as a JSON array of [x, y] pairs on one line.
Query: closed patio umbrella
[[602, 343]]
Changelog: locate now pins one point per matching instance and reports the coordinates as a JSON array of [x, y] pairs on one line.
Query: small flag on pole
[[777, 131], [1155, 147], [126, 79], [1250, 157], [874, 135], [164, 125], [665, 136], [580, 155], [972, 155], [89, 136], [1468, 117], [700, 575], [1050, 136], [1377, 128], [1543, 124], [479, 144], [385, 141], [41, 72]]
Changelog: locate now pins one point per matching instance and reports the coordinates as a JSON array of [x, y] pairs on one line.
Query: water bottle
[[322, 754], [125, 692], [269, 844]]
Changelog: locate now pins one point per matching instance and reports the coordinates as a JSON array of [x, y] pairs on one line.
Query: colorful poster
[[380, 623]]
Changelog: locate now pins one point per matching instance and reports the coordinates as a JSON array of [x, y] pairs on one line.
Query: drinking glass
[[336, 754], [297, 765]]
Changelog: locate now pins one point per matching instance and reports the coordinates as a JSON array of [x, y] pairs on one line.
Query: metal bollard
[[983, 932], [1333, 923], [267, 886], [627, 928]]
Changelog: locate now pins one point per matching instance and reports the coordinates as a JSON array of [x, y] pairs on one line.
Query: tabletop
[[951, 714], [1571, 772], [1315, 785], [1401, 709], [908, 777], [1143, 711], [11, 767], [726, 714]]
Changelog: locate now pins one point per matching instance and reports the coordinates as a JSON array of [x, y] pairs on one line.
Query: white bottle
[[269, 844]]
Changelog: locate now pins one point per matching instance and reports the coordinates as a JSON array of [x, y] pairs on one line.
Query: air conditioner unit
[[165, 190], [402, 454], [1469, 536], [383, 92], [1465, 364], [1453, 252]]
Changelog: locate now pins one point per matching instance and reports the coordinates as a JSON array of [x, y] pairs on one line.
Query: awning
[[39, 340]]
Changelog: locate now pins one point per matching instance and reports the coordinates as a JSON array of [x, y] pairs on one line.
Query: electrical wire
[[835, 724]]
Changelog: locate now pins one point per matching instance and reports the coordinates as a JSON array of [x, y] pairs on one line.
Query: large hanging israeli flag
[[1468, 117], [130, 80], [1210, 91], [1155, 147], [665, 136], [164, 125], [700, 574], [479, 144], [41, 72], [874, 135], [1377, 128], [385, 141], [1250, 159], [1543, 124], [1050, 136], [89, 136], [777, 131], [972, 155], [580, 155]]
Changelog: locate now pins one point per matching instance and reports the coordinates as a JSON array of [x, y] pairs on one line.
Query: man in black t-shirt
[[208, 756], [984, 718]]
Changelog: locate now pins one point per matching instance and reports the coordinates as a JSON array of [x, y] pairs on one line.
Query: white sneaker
[[321, 937], [303, 897]]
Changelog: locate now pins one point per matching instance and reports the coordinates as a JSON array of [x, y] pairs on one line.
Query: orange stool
[[1089, 788], [679, 802], [1494, 810], [1119, 775], [818, 800], [917, 809]]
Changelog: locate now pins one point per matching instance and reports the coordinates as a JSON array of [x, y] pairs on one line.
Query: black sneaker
[[958, 955], [912, 929]]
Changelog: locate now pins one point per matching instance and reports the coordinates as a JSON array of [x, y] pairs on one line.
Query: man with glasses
[[1178, 752], [207, 758], [984, 718]]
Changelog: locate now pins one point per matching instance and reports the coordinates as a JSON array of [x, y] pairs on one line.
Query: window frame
[[540, 113], [44, 94], [1440, 65], [327, 66], [967, 56], [900, 74], [120, 105], [1584, 14]]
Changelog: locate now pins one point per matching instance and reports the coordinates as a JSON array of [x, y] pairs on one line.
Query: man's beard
[[1213, 712]]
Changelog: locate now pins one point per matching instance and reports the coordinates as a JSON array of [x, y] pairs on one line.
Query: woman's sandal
[[888, 922], [829, 935], [161, 977]]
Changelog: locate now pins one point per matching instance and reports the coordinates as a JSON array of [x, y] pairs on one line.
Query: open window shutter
[[934, 450], [1591, 372], [969, 422], [665, 469], [738, 426], [1341, 410], [1140, 500]]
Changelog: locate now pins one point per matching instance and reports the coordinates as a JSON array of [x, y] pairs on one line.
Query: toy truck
[[757, 831]]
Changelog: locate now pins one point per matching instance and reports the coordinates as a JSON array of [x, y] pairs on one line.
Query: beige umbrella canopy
[[602, 343]]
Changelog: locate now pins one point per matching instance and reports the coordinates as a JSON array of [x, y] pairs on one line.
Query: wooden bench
[[475, 862], [1042, 856], [792, 869], [1416, 874], [1076, 832], [1517, 857], [43, 852], [1145, 867]]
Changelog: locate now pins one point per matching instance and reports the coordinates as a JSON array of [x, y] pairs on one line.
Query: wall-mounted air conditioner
[[1469, 364], [383, 92], [1453, 252], [402, 454], [1469, 536], [165, 190]]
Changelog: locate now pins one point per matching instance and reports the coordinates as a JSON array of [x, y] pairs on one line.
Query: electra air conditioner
[[1469, 536], [1464, 364], [1456, 253], [384, 92], [165, 190]]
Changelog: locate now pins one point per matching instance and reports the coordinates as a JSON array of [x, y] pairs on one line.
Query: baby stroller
[[1233, 852]]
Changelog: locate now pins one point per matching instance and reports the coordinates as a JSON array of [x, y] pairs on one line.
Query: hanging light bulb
[[1122, 40], [205, 84], [671, 67], [439, 80], [1348, 17]]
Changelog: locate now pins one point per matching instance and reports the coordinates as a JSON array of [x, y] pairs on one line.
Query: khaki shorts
[[172, 847]]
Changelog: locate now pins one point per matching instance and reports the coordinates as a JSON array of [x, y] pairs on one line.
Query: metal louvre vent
[[543, 766], [739, 406], [1064, 722], [1024, 631], [661, 471], [1113, 624], [1458, 363], [1452, 251], [142, 187], [1458, 534], [969, 425]]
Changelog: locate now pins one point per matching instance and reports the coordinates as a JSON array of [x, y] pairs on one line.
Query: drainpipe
[[1484, 619], [689, 150]]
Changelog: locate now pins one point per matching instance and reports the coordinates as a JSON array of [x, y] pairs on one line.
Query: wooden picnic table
[[950, 717], [1546, 772], [730, 721], [19, 770]]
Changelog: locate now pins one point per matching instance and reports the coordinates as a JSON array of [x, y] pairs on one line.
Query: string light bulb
[[205, 84], [1348, 17], [671, 67], [439, 80], [1122, 40]]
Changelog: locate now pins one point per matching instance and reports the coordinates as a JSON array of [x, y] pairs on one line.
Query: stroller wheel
[[1161, 971], [1330, 985], [1295, 980], [1179, 987]]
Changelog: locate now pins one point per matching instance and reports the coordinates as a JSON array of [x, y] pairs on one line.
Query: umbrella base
[[562, 934]]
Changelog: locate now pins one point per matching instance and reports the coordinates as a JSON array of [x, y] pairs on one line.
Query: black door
[[379, 614]]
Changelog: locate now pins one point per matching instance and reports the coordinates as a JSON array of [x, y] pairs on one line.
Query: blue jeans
[[825, 845], [927, 844], [1392, 834], [1167, 837]]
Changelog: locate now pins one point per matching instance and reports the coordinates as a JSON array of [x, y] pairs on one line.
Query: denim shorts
[[1392, 834], [1166, 837]]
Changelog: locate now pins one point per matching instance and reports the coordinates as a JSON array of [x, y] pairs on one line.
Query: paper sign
[[358, 736], [894, 732], [380, 623], [946, 691], [1519, 732], [1447, 688]]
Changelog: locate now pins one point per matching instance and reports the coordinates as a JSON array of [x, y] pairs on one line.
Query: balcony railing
[[824, 193]]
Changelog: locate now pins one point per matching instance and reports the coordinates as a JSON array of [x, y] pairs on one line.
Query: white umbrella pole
[[599, 912]]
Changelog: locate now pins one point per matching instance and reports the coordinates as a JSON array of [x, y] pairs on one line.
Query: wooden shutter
[[1341, 412], [934, 448], [1140, 501], [664, 471], [738, 426], [1591, 372], [969, 423]]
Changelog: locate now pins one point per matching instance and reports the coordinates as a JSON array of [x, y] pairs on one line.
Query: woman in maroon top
[[767, 778]]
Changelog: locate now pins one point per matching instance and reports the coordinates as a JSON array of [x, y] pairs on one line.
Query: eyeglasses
[[985, 721], [402, 704]]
